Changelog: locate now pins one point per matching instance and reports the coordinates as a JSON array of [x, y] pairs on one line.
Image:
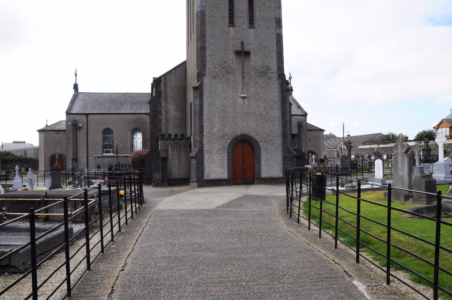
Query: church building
[[224, 116]]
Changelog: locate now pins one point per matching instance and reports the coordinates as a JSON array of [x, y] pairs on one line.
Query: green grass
[[422, 228], [443, 188]]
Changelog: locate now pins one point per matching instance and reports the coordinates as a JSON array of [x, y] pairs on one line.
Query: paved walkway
[[224, 243]]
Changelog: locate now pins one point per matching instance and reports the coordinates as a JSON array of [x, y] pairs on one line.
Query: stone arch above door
[[257, 153]]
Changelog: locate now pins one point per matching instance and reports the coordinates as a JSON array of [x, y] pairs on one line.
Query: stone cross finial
[[440, 140]]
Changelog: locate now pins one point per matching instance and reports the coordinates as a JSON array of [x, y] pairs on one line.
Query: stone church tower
[[237, 94], [224, 116]]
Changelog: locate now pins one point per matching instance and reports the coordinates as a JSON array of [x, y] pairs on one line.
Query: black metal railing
[[99, 231], [303, 188]]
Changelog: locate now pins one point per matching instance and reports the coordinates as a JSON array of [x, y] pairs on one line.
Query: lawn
[[422, 228]]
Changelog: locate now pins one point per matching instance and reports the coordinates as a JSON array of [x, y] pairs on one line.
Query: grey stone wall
[[191, 59], [50, 143], [225, 114], [89, 145], [315, 142], [173, 101], [178, 156]]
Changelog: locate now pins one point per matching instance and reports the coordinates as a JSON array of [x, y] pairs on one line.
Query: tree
[[389, 137], [422, 135]]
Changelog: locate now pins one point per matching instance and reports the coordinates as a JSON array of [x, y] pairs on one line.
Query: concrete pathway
[[225, 243]]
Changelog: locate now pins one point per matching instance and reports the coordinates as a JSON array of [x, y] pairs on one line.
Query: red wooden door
[[243, 163], [60, 161]]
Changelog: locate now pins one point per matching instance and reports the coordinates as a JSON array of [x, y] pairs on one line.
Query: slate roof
[[58, 126], [448, 119], [326, 137], [296, 108], [110, 103], [356, 140], [314, 128]]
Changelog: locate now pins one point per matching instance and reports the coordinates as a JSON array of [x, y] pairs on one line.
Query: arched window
[[137, 140], [251, 13], [108, 147], [231, 12]]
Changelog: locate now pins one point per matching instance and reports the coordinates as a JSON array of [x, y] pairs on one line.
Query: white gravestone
[[31, 179], [441, 169], [48, 183], [379, 172], [17, 183], [2, 191]]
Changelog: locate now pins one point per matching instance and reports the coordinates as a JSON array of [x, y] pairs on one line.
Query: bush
[[9, 157], [137, 157], [425, 134]]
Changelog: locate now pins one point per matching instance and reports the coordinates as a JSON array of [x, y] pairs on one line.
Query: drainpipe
[[87, 140]]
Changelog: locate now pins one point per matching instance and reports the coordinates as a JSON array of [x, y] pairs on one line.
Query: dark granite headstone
[[56, 177]]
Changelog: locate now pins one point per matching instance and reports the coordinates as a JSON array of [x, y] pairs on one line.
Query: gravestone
[[423, 182], [402, 170], [56, 176], [2, 191], [48, 183], [379, 172], [31, 179], [17, 183], [441, 169]]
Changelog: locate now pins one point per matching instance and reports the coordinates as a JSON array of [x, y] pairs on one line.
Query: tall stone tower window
[[137, 140], [231, 13], [251, 13], [108, 142]]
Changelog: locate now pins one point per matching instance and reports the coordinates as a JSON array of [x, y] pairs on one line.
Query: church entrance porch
[[243, 163], [61, 161]]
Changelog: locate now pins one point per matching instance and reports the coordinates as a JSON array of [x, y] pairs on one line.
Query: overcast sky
[[377, 66]]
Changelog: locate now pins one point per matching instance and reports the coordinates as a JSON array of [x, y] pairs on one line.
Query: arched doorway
[[243, 163], [60, 161]]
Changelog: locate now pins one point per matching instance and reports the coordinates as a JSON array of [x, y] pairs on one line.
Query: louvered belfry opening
[[231, 12], [251, 13]]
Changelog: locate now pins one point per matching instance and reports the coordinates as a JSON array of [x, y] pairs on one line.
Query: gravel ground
[[22, 289]]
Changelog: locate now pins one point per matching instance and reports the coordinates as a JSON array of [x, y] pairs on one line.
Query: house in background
[[445, 126]]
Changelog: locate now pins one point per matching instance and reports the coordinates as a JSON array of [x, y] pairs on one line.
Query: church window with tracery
[[108, 142], [251, 13], [231, 12], [137, 140]]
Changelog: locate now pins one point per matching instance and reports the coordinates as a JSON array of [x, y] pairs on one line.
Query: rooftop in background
[[58, 126], [328, 136], [109, 103], [357, 140], [448, 119], [15, 145]]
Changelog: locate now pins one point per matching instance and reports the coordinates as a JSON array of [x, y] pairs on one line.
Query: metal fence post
[[310, 196], [119, 205], [388, 237], [111, 212], [299, 195], [66, 248], [358, 224], [132, 200], [34, 271], [437, 246], [101, 219], [287, 190], [337, 212], [134, 183], [88, 257], [125, 199], [321, 206], [292, 181]]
